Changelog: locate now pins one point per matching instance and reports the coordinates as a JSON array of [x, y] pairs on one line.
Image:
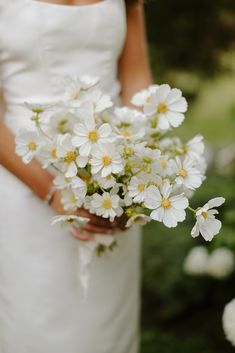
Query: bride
[[41, 307]]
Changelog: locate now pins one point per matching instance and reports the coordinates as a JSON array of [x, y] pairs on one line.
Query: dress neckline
[[64, 6]]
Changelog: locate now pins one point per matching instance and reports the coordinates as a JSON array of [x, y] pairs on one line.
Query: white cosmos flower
[[137, 187], [99, 101], [130, 123], [106, 183], [164, 166], [148, 158], [196, 261], [228, 321], [187, 174], [206, 223], [88, 135], [61, 182], [167, 208], [79, 186], [27, 145], [168, 104], [48, 153], [69, 156], [74, 85], [62, 122], [106, 205], [125, 117], [195, 147], [221, 263], [38, 108], [70, 200], [69, 221], [140, 219], [142, 97], [106, 160]]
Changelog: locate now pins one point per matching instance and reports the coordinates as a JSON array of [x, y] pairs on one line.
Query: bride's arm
[[40, 182], [134, 69]]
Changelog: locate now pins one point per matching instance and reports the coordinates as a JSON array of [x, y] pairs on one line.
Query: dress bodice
[[42, 42]]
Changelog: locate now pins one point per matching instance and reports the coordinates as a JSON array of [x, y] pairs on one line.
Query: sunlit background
[[192, 47]]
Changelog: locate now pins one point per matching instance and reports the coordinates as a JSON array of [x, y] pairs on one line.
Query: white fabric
[[41, 306]]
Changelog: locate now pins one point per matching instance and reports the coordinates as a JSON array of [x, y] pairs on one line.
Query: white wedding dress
[[41, 306]]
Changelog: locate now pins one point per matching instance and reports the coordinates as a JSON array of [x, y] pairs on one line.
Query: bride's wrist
[[50, 195], [55, 203]]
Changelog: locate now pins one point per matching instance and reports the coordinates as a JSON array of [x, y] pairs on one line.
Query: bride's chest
[[30, 25]]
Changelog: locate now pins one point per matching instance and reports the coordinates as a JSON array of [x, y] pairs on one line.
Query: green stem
[[38, 125], [56, 168], [191, 209]]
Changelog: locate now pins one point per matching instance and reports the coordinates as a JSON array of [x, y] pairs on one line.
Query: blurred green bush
[[191, 47]]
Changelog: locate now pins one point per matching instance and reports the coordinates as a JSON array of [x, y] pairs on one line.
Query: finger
[[99, 221], [96, 229], [81, 236], [96, 220]]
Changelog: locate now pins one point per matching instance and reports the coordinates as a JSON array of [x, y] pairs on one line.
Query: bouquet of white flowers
[[117, 161]]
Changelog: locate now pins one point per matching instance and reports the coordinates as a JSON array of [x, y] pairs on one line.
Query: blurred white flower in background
[[196, 261], [206, 223], [228, 321], [220, 263], [225, 160]]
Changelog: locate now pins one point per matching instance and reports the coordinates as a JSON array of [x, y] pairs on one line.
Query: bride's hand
[[95, 225]]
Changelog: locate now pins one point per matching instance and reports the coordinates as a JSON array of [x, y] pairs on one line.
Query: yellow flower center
[[147, 100], [162, 108], [32, 146], [72, 199], [72, 94], [166, 203], [204, 214], [53, 153], [106, 160], [108, 177], [183, 173], [70, 157], [141, 187], [93, 136], [126, 133], [107, 204], [129, 151], [163, 164]]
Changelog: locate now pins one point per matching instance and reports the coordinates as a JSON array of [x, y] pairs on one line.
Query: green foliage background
[[192, 47]]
